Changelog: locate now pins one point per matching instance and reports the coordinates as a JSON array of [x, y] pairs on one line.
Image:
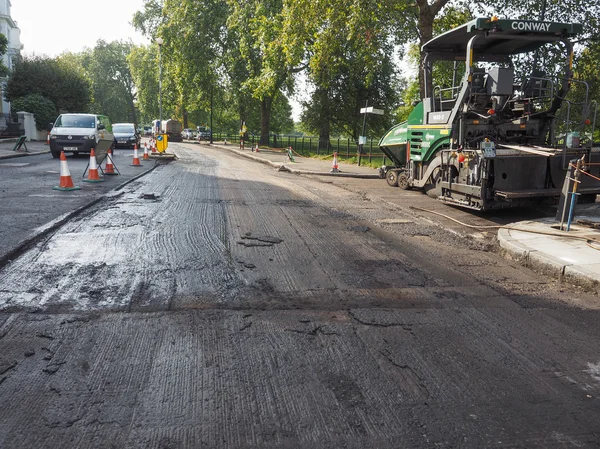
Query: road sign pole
[[360, 144], [362, 139]]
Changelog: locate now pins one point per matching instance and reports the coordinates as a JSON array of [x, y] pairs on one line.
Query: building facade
[[9, 28]]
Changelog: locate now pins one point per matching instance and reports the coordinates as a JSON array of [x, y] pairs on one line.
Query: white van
[[79, 133]]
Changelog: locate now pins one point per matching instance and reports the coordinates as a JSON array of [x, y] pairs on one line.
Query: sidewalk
[[33, 147], [573, 255], [300, 164]]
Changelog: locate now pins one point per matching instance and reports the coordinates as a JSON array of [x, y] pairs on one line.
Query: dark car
[[126, 136]]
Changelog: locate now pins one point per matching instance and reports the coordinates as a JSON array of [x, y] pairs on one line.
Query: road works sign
[[161, 143], [371, 110]]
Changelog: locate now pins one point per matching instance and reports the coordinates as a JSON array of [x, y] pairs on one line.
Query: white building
[[9, 28]]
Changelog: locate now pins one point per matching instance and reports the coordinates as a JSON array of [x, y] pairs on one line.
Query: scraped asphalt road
[[218, 303]]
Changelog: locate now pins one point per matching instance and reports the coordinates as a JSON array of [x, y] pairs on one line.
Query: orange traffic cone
[[66, 183], [146, 156], [153, 145], [334, 168], [136, 158], [48, 139], [93, 169], [257, 150], [109, 169]]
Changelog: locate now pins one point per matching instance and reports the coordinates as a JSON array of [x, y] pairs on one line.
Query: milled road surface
[[219, 303]]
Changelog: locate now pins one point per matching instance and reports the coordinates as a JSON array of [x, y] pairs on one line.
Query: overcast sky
[[53, 27]]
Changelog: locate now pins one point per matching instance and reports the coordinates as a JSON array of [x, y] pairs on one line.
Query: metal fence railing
[[310, 146]]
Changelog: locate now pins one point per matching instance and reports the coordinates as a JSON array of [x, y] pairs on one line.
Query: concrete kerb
[[546, 263], [28, 153], [581, 276]]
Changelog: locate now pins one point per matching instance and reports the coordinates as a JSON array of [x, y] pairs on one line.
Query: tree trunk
[[324, 134], [427, 15], [322, 101], [425, 24], [265, 120]]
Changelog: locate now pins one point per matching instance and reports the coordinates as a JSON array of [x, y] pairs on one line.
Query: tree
[[194, 34], [113, 88], [348, 49], [142, 62], [4, 71], [258, 27], [586, 71], [67, 89], [42, 108]]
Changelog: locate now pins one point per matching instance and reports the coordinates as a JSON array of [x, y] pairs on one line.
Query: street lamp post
[[159, 41], [211, 111]]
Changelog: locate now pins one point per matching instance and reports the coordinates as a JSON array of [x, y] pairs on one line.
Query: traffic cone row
[[93, 169], [334, 168], [66, 182]]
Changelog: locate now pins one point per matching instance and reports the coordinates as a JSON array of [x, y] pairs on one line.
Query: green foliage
[[586, 70], [42, 108], [257, 28], [281, 116], [349, 50], [69, 90], [112, 83], [4, 71], [410, 94], [142, 63], [237, 58]]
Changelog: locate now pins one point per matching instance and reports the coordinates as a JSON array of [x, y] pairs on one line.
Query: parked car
[[126, 136], [188, 134], [79, 133], [203, 134], [147, 130]]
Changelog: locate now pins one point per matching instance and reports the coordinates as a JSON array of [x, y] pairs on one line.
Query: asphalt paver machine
[[496, 140]]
